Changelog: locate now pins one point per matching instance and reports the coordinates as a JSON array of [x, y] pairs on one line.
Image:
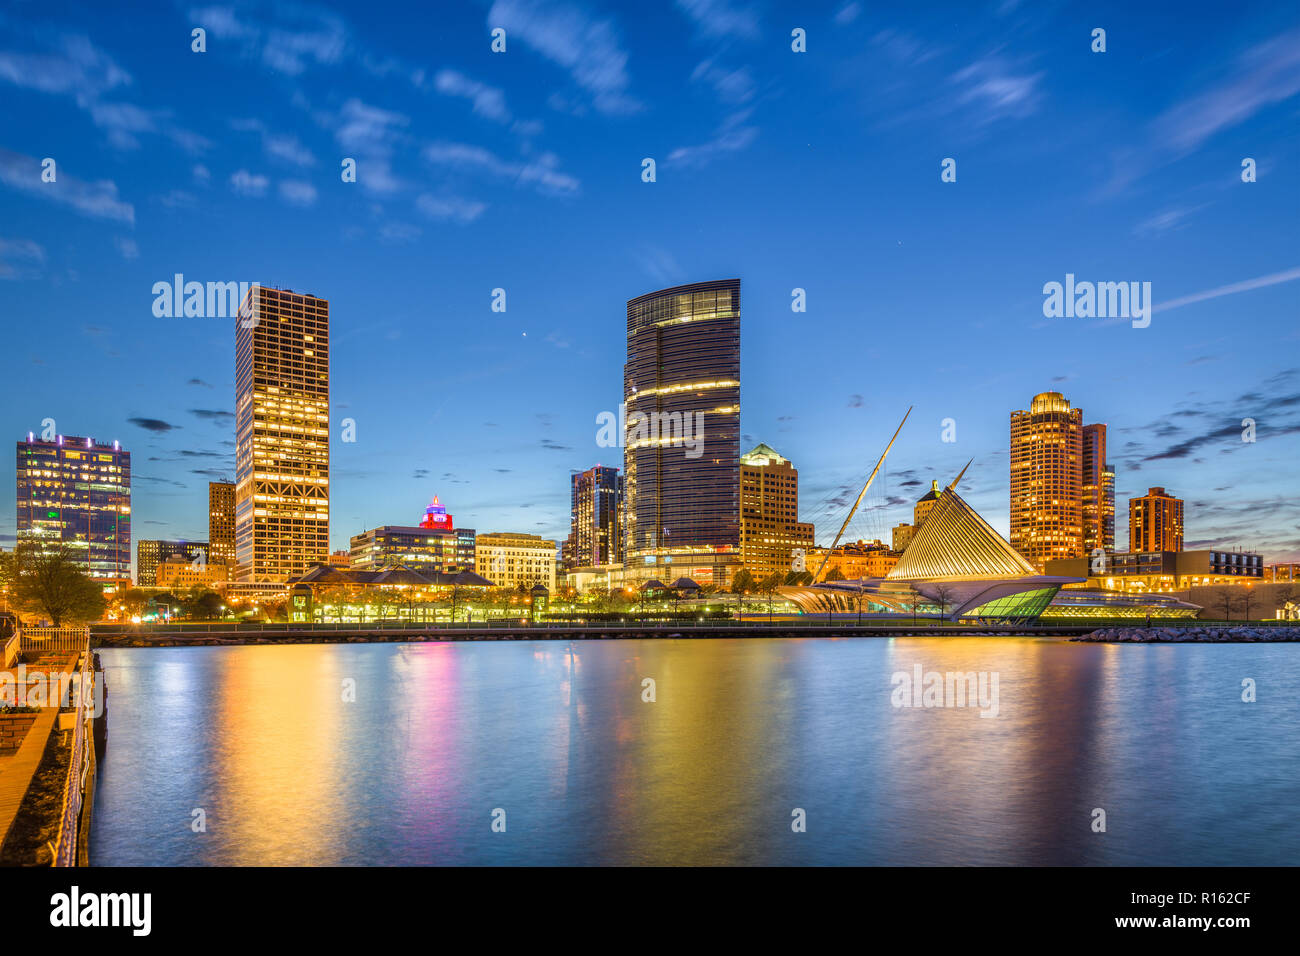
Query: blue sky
[[522, 170]]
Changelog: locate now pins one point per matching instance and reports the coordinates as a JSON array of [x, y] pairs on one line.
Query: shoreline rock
[[1195, 634]]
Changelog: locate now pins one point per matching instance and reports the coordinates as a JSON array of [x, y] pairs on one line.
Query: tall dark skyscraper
[[1098, 492], [76, 492], [681, 467], [596, 504], [282, 444]]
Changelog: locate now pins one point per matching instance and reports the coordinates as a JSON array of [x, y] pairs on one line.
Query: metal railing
[[65, 850], [53, 640], [12, 648]]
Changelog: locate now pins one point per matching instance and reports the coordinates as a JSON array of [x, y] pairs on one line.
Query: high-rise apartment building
[[221, 521], [681, 459], [1047, 480], [151, 553], [770, 529], [1098, 489], [76, 492], [281, 434], [1155, 522], [596, 504]]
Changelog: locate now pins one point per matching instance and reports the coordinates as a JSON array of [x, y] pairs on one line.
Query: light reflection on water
[[742, 732]]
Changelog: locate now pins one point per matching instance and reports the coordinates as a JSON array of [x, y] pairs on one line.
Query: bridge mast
[[861, 495]]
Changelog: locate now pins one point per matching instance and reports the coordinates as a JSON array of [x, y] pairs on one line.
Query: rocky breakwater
[[1194, 634]]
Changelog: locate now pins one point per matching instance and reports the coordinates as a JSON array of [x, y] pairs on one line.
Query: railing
[[12, 648], [53, 640], [65, 851]]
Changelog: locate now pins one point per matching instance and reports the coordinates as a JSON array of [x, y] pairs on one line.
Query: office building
[[902, 536], [509, 560], [75, 492], [221, 521], [770, 529], [436, 544], [282, 434], [681, 461], [595, 508], [150, 553], [1155, 522], [1098, 488]]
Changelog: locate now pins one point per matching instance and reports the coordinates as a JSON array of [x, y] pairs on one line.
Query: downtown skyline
[[919, 293]]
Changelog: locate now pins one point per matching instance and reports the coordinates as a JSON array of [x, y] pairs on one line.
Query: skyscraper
[[596, 502], [221, 521], [681, 458], [1047, 480], [770, 529], [1155, 522], [76, 492], [281, 434], [1098, 488]]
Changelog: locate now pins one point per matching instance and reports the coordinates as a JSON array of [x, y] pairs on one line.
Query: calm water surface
[[742, 732]]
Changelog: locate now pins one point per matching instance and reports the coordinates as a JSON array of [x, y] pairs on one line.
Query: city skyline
[[933, 288]]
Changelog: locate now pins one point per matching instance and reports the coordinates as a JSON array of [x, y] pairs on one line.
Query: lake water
[[741, 735]]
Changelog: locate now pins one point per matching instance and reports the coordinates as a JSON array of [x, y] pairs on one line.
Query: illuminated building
[[435, 545], [596, 502], [902, 535], [1098, 488], [76, 492], [1155, 522], [923, 506], [221, 521], [860, 559], [957, 567], [770, 529], [1165, 571], [509, 560], [605, 577], [1047, 480], [179, 573], [1282, 573], [681, 514], [150, 553], [281, 434], [340, 559]]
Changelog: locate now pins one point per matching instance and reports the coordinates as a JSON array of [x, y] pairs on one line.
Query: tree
[[1225, 599], [835, 574], [943, 596], [742, 582], [768, 587], [798, 578], [1247, 598], [49, 581]]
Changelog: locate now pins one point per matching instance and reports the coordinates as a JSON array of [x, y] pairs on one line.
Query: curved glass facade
[[681, 389]]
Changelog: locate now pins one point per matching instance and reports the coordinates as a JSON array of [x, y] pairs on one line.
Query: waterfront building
[[681, 461], [854, 560], [770, 529], [1047, 480], [178, 573], [76, 492], [600, 579], [1155, 522], [1279, 573], [150, 553], [1098, 488], [509, 559], [1164, 571], [281, 434], [595, 508], [221, 521], [436, 544]]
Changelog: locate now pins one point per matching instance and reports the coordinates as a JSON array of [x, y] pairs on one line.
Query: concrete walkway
[[16, 772]]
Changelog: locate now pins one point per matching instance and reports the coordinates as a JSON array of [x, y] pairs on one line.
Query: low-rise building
[[1162, 571], [509, 559]]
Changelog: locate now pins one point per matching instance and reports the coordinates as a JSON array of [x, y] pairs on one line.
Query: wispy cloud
[[541, 173], [991, 85], [98, 199], [734, 134], [590, 49], [488, 101], [721, 18], [298, 193], [1260, 282], [248, 184], [19, 257], [450, 208]]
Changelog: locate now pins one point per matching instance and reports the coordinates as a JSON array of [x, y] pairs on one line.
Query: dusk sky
[[522, 170]]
